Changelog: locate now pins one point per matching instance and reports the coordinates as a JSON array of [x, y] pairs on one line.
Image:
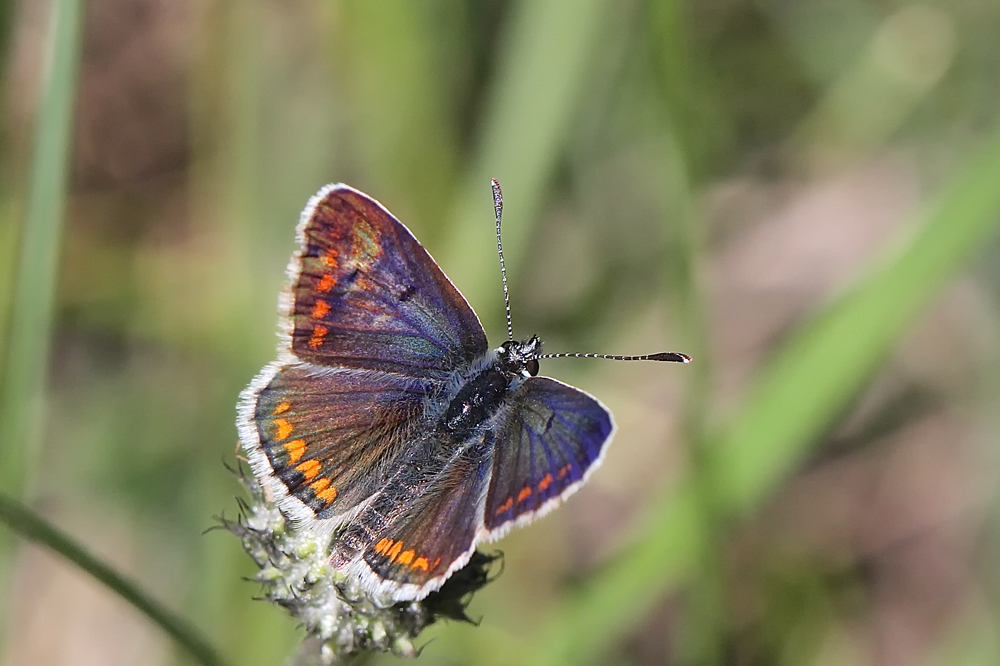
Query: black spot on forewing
[[407, 293]]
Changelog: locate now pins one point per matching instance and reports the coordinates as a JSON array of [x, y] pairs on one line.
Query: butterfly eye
[[532, 366]]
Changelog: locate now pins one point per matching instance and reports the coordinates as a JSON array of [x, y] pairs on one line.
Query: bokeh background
[[800, 194]]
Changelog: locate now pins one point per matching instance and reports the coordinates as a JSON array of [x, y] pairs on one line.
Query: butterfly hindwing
[[551, 438], [437, 531], [365, 293], [325, 436]]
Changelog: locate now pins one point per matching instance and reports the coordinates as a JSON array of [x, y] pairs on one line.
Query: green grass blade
[[816, 374], [22, 396], [542, 73], [22, 376], [809, 382]]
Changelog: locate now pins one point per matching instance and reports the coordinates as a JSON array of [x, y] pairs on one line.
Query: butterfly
[[387, 421]]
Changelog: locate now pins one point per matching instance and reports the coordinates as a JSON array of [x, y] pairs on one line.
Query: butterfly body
[[388, 424]]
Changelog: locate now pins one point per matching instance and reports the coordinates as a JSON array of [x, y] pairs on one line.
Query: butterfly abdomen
[[409, 480], [360, 533]]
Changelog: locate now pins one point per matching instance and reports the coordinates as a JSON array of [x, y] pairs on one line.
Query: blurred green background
[[802, 195]]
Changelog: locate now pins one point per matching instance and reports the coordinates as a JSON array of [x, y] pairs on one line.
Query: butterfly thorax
[[483, 392]]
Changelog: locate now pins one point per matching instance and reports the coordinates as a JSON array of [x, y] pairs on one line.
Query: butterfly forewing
[[366, 294], [551, 437]]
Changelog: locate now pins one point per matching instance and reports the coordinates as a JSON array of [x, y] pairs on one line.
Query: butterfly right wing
[[554, 436], [543, 445], [322, 439]]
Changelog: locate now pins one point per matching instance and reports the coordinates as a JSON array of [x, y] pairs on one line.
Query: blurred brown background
[[698, 176]]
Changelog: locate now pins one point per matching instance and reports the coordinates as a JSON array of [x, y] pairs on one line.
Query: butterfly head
[[520, 358]]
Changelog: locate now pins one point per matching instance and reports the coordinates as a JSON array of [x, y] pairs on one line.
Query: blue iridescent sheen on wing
[[368, 295], [330, 435], [552, 435]]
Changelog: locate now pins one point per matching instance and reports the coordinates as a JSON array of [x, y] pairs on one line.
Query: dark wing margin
[[365, 293], [550, 441]]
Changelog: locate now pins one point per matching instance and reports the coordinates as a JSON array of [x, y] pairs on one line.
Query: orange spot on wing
[[524, 494], [564, 471], [309, 468], [545, 483], [383, 546], [295, 449], [405, 557], [319, 332], [321, 309], [282, 408], [323, 492], [326, 283], [330, 258], [284, 428], [421, 563], [394, 551], [505, 506]]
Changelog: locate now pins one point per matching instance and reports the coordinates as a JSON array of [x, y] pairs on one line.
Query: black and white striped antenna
[[498, 207], [674, 357]]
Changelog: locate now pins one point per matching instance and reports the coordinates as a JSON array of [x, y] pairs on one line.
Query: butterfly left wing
[[553, 437]]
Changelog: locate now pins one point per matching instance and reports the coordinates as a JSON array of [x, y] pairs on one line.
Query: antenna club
[[676, 357]]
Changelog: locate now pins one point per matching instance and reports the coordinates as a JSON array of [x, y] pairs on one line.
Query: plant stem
[[32, 526]]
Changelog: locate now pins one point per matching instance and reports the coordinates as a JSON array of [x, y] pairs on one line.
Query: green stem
[[22, 396], [32, 526], [22, 384], [704, 624]]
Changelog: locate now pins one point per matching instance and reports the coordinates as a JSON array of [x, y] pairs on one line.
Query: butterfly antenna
[[498, 207], [675, 357]]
